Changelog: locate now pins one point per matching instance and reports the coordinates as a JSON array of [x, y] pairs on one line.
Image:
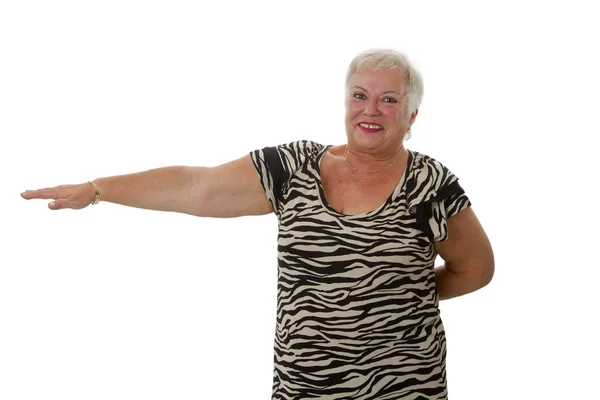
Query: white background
[[112, 302]]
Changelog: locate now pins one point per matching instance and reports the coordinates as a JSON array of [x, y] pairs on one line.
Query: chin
[[367, 143], [371, 138]]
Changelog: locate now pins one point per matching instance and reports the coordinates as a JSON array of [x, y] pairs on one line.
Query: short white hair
[[387, 59]]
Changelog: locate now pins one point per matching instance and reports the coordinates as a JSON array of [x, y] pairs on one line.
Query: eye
[[390, 100], [359, 96]]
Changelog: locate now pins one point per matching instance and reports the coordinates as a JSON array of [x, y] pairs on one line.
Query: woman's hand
[[64, 196]]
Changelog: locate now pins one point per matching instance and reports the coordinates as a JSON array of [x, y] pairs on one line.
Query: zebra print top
[[357, 306]]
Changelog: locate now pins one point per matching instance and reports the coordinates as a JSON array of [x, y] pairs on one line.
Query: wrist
[[96, 198]]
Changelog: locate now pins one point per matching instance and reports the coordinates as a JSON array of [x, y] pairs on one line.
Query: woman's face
[[376, 118]]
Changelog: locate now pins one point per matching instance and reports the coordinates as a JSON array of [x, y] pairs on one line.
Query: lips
[[370, 127]]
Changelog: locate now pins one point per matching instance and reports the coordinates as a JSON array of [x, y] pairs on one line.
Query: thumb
[[64, 204], [56, 205]]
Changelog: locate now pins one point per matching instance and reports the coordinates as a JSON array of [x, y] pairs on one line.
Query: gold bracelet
[[97, 192]]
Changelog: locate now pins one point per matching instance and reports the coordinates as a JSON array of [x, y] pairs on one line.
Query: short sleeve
[[277, 165], [450, 202], [434, 196]]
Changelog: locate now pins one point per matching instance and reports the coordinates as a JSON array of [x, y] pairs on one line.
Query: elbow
[[484, 267], [486, 271], [196, 197], [487, 276], [479, 274]]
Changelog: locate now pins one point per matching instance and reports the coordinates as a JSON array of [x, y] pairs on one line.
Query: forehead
[[379, 80]]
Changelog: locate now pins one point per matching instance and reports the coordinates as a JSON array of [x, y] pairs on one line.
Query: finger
[[29, 194], [39, 194]]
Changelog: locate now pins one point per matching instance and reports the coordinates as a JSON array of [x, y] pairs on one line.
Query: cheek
[[350, 118], [390, 115], [352, 110], [395, 115]]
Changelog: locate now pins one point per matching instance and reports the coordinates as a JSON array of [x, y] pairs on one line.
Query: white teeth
[[371, 126]]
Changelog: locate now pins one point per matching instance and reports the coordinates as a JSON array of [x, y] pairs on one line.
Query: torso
[[356, 292], [353, 193]]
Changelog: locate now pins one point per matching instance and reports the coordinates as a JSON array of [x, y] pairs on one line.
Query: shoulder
[[427, 168], [426, 162], [295, 152], [284, 160], [302, 148], [429, 180]]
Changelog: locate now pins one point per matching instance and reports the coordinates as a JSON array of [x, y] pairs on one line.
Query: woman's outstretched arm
[[229, 190]]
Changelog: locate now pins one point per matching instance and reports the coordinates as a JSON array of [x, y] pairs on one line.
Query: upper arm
[[229, 190], [467, 248]]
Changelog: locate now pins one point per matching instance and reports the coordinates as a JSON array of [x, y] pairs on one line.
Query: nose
[[371, 107]]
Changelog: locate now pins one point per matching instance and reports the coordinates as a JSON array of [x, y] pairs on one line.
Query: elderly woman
[[360, 226]]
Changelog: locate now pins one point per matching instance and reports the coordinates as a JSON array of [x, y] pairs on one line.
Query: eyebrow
[[365, 90]]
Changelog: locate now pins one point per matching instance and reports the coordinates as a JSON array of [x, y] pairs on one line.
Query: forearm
[[453, 283], [162, 189]]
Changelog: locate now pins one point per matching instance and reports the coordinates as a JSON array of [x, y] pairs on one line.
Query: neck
[[372, 166], [372, 158]]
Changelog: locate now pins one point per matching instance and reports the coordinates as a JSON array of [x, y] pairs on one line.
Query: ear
[[413, 116]]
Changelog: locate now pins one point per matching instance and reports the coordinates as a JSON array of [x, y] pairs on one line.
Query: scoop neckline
[[397, 190]]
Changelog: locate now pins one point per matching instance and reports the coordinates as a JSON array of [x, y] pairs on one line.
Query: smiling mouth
[[370, 128]]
